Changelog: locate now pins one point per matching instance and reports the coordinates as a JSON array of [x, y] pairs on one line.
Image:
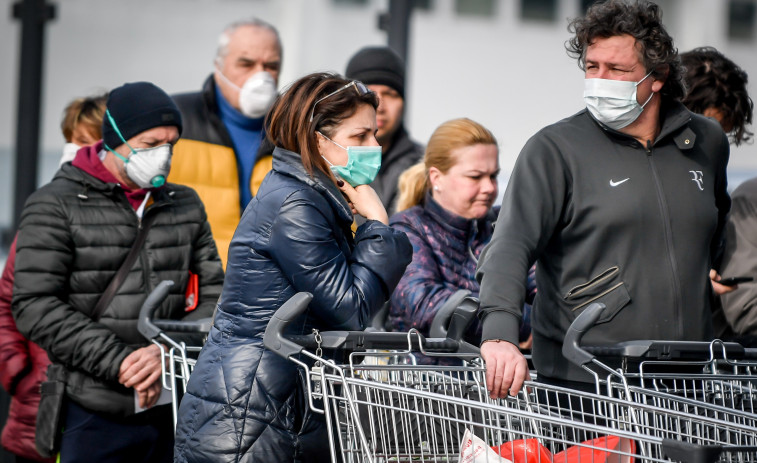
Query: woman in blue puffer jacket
[[243, 402]]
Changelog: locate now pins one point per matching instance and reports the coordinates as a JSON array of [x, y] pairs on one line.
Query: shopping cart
[[681, 375], [407, 412], [178, 357], [717, 372]]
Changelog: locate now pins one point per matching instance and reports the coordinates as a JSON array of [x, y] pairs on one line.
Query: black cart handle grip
[[571, 347], [145, 323], [274, 339]]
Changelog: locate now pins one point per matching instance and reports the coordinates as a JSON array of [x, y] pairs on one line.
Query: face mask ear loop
[[226, 79], [644, 78], [332, 141], [118, 132]]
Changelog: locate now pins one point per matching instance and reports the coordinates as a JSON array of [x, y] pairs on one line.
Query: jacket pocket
[[607, 288]]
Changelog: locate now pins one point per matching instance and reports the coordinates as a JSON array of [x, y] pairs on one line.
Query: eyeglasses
[[359, 87]]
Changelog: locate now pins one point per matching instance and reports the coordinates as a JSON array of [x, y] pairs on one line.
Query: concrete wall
[[512, 76]]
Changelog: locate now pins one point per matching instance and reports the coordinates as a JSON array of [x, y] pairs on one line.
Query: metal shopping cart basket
[[405, 412], [717, 372], [655, 373], [178, 357]]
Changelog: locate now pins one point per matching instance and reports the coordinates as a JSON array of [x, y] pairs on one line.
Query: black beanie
[[378, 65], [137, 107]]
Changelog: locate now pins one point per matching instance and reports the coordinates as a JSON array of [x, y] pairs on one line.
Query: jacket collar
[[68, 171], [401, 145], [290, 163], [673, 117], [453, 222]]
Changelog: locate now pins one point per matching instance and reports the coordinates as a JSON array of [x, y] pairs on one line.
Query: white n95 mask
[[147, 167], [256, 95]]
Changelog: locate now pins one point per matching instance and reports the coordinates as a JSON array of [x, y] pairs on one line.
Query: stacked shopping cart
[[406, 412]]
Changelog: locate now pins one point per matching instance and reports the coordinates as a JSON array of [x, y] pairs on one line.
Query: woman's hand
[[506, 368], [364, 201]]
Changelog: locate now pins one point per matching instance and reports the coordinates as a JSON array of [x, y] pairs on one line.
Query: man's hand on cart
[[506, 368], [141, 370]]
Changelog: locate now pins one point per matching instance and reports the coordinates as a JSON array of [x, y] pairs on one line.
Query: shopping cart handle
[[461, 318], [690, 453], [201, 325], [274, 339], [571, 347], [145, 324], [443, 316]]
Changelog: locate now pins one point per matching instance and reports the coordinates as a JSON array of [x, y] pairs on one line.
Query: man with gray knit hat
[[383, 72], [91, 246]]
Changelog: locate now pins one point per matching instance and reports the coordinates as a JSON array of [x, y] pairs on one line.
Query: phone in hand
[[732, 281]]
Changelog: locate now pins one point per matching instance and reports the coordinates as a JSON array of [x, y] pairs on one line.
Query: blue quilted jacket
[[244, 403], [445, 252]]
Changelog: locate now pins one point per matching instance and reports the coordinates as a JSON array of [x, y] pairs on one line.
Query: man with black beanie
[[92, 244], [383, 72]]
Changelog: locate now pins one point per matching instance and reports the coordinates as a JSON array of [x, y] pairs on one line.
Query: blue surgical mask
[[363, 163], [613, 102]]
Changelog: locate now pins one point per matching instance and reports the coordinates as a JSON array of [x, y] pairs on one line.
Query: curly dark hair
[[640, 19], [715, 82]]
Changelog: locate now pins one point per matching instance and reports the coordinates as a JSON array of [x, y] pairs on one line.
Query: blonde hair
[[451, 135], [88, 111]]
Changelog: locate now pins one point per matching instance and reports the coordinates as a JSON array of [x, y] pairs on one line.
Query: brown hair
[[451, 135], [288, 123], [640, 19], [89, 111], [715, 81]]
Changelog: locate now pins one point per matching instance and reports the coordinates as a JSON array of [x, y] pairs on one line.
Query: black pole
[[33, 15], [396, 23]]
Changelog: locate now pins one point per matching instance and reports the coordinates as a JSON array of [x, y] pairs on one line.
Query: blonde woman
[[446, 209]]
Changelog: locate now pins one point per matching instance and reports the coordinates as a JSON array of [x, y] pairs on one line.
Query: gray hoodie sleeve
[[536, 199]]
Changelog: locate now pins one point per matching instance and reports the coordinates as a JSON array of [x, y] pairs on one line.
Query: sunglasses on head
[[359, 87]]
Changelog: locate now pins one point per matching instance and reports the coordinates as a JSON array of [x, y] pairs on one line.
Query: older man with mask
[[219, 154], [622, 203], [92, 244], [383, 72]]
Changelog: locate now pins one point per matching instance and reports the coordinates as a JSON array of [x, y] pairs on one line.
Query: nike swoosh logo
[[613, 184]]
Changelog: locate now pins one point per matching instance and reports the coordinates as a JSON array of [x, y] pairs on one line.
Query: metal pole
[[396, 23], [33, 15]]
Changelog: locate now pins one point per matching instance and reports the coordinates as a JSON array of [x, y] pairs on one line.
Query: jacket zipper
[[668, 240], [594, 282]]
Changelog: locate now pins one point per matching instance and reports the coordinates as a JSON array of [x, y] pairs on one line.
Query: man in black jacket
[[74, 235], [622, 203], [383, 72]]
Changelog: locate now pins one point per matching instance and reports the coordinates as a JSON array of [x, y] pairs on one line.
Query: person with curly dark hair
[[717, 88], [622, 203]]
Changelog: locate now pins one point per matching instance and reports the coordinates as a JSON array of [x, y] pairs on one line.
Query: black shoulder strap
[[120, 276]]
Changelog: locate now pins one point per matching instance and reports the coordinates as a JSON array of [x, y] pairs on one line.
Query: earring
[[436, 187]]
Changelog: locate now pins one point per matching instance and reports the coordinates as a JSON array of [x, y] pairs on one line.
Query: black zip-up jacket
[[402, 154], [609, 220], [75, 233]]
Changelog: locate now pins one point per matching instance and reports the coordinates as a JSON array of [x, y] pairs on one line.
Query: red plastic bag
[[613, 444], [531, 451], [525, 451]]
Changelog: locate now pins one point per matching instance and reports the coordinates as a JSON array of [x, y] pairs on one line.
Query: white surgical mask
[[613, 102], [69, 153], [147, 167], [256, 95]]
